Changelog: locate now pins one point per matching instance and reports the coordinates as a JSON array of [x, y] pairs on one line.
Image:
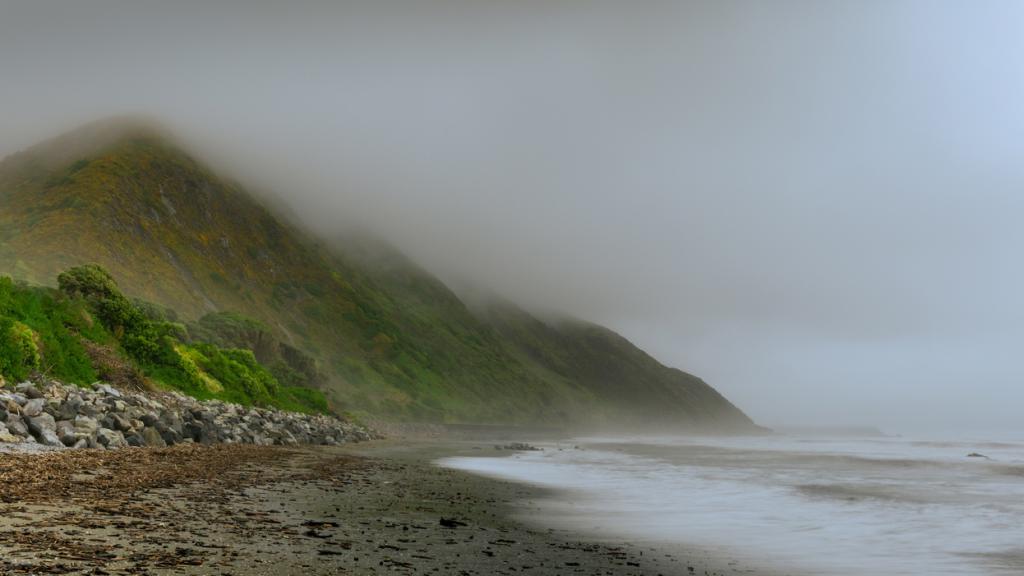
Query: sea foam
[[895, 506]]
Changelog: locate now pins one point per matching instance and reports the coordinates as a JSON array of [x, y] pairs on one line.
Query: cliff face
[[390, 338]]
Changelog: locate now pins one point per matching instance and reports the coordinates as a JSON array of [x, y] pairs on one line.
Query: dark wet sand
[[365, 509]]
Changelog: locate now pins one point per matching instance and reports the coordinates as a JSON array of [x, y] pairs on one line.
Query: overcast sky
[[816, 206]]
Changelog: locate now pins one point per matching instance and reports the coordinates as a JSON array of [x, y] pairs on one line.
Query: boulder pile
[[63, 416]]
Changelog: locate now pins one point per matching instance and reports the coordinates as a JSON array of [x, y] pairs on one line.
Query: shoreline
[[523, 508], [381, 507]]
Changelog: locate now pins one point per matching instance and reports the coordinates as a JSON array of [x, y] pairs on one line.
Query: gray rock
[[135, 412], [44, 429], [66, 432], [29, 390], [110, 439], [152, 437], [108, 390], [16, 425], [86, 426], [170, 436], [89, 409], [69, 409], [41, 421], [6, 436], [33, 407], [285, 438], [106, 417], [117, 422], [193, 430], [135, 439], [173, 421]]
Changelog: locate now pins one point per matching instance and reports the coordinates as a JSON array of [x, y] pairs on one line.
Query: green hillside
[[374, 332], [88, 330]]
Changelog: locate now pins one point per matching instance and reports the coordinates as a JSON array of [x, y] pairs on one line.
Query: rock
[[173, 421], [6, 436], [15, 425], [17, 397], [117, 422], [170, 436], [151, 436], [89, 409], [61, 415], [520, 446], [110, 439], [285, 438], [108, 390], [451, 523], [69, 409], [149, 419], [33, 407], [193, 430], [29, 390], [66, 432], [135, 439], [86, 426], [44, 429]]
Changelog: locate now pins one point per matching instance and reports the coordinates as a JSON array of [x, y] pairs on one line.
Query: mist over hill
[[389, 338]]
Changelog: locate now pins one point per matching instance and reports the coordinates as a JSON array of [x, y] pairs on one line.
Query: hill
[[373, 331]]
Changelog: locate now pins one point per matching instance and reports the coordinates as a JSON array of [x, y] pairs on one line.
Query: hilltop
[[374, 332]]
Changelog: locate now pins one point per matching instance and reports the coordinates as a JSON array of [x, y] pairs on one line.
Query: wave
[[1013, 470], [968, 445], [893, 457], [855, 493], [718, 456], [1006, 561]]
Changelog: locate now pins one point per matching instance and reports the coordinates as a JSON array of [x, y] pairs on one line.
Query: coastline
[[370, 508], [519, 508]]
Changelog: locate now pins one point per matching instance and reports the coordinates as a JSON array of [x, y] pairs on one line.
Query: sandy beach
[[375, 508]]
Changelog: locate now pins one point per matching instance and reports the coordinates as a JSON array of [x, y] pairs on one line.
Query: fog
[[816, 206]]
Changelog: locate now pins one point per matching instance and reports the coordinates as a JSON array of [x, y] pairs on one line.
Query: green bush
[[54, 325], [88, 281], [42, 329], [19, 353], [145, 340]]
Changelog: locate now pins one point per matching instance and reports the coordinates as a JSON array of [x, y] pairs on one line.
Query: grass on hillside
[[88, 330]]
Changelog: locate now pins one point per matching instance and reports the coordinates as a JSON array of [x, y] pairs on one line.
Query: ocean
[[812, 505]]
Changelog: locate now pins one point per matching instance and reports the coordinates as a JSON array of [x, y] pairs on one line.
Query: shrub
[[40, 330], [89, 281], [223, 367], [19, 351], [143, 339]]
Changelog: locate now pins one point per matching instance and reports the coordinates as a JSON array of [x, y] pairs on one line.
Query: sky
[[814, 205]]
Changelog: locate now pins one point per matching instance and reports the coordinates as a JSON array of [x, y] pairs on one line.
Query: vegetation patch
[[19, 352], [88, 330]]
